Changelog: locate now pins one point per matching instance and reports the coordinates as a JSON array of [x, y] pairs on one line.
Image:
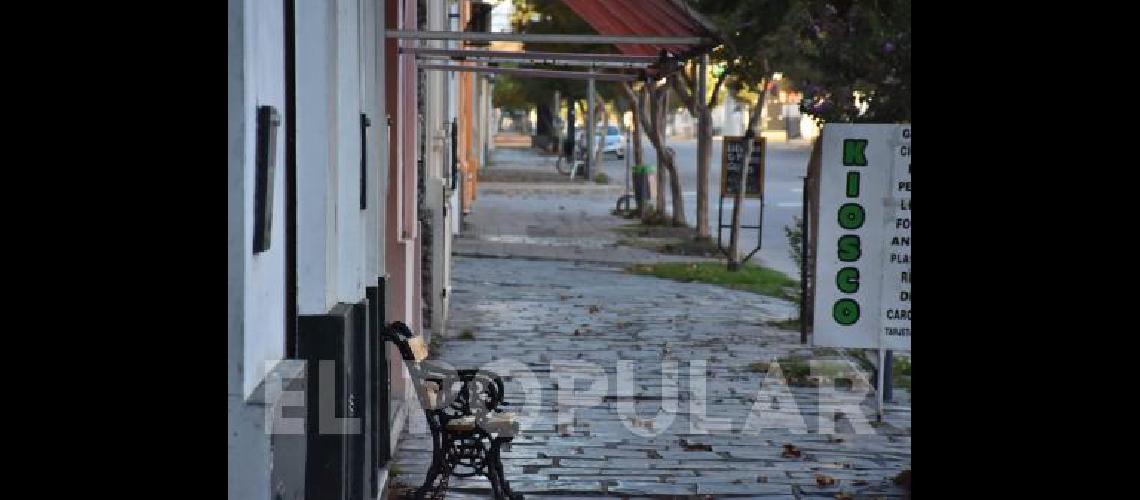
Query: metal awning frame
[[663, 65], [591, 39], [536, 73], [535, 57], [539, 62]]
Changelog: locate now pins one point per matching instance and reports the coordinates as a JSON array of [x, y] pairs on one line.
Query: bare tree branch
[[639, 110], [683, 92], [720, 81]]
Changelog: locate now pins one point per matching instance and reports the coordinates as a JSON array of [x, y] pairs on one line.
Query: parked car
[[614, 140]]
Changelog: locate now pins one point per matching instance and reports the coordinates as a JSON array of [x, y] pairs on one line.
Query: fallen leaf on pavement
[[790, 451]]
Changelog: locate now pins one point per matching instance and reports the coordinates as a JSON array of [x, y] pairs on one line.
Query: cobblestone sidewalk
[[535, 222], [553, 319]]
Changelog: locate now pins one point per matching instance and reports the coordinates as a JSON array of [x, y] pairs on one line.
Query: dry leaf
[[790, 451], [824, 481]]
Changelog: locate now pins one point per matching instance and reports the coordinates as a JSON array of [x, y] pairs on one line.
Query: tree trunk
[[653, 121], [704, 148], [638, 154], [812, 224], [635, 141], [604, 121], [704, 154], [692, 92], [734, 263], [654, 103], [669, 163]]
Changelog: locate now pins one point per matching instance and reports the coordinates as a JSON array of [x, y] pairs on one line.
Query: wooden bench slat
[[419, 350], [497, 423]]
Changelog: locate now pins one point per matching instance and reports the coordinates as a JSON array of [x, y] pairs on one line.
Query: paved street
[[555, 307], [783, 191]]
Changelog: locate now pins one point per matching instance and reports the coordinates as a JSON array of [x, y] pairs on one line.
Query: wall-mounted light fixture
[[266, 163], [454, 155], [364, 124]]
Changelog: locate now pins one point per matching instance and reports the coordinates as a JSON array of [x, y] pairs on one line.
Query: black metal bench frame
[[470, 398]]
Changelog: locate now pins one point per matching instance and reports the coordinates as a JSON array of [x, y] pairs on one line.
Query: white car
[[614, 141]]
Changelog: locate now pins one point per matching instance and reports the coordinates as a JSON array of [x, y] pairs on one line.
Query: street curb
[[481, 255], [612, 263], [515, 187]]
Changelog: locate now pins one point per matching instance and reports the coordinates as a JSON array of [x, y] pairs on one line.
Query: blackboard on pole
[[731, 160]]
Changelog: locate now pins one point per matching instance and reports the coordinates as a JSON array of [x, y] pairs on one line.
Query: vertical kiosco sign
[[862, 292]]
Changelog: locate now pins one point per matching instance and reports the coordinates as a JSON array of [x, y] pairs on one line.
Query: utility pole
[[704, 147], [591, 125], [555, 114], [662, 116]]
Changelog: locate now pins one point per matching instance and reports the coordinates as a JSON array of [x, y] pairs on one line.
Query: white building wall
[[264, 275], [235, 196], [377, 153], [438, 170], [255, 297], [340, 247], [317, 180], [349, 217], [453, 115]]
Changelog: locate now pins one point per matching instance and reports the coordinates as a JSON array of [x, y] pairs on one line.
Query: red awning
[[644, 17]]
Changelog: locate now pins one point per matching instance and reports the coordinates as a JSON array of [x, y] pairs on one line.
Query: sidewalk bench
[[468, 429]]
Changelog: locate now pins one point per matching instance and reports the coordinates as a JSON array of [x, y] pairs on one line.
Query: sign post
[[731, 164], [862, 259]]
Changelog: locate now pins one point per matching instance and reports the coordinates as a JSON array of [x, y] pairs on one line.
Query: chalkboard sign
[[731, 159]]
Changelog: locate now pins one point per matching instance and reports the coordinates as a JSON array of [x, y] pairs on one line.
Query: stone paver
[[547, 223], [554, 318]]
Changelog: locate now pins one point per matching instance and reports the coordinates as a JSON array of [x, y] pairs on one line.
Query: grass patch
[[632, 229], [860, 356], [667, 239], [786, 324], [900, 366], [601, 178], [756, 279], [797, 370], [644, 243], [467, 335]]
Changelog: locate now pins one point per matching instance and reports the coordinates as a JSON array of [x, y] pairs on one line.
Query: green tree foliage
[[856, 47], [553, 17], [851, 58]]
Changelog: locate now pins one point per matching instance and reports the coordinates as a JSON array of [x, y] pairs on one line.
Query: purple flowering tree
[[854, 60], [850, 58]]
